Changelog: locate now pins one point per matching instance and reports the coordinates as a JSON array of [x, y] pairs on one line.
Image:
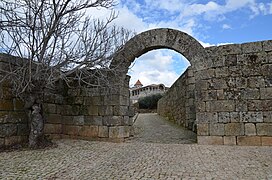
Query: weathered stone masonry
[[90, 113], [234, 96], [178, 104], [226, 94]]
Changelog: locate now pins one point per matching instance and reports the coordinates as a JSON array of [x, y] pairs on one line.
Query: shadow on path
[[152, 128]]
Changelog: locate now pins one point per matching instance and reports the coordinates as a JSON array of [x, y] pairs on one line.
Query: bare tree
[[54, 39]]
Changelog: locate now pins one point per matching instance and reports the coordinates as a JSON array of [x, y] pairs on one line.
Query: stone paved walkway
[[152, 128], [136, 159]]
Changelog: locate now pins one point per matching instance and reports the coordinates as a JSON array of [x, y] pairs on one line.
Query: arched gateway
[[172, 39], [158, 39], [227, 93]]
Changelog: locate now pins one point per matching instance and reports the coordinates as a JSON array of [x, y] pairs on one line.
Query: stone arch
[[160, 38], [154, 39]]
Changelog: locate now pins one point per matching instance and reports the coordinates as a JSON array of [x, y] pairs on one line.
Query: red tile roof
[[138, 83]]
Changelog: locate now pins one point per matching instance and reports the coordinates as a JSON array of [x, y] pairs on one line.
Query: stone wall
[[178, 103], [235, 95], [227, 93], [13, 119], [83, 113], [90, 114]]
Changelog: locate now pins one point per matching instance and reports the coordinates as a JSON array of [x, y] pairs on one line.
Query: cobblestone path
[[152, 128], [137, 159]]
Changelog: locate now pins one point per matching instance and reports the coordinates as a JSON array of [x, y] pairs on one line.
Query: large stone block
[[250, 129], [234, 129], [4, 116], [103, 131], [88, 131], [18, 105], [249, 140], [14, 140], [241, 105], [53, 129], [6, 105], [50, 108], [255, 105], [203, 129], [78, 120], [268, 80], [105, 110], [88, 101], [218, 61], [256, 82], [202, 84], [267, 116], [53, 118], [229, 140], [217, 84], [2, 142], [269, 57], [223, 117], [113, 120], [232, 94], [7, 130], [68, 110], [128, 121], [210, 140], [113, 100], [250, 93], [205, 74], [221, 72], [231, 60], [266, 70], [252, 47], [98, 100], [119, 131], [267, 45], [266, 93], [201, 106], [206, 117], [230, 49], [251, 116], [264, 129], [120, 110], [221, 106], [92, 110], [23, 130], [93, 120], [267, 105], [5, 92], [67, 120], [217, 129], [234, 117], [266, 141], [70, 129]]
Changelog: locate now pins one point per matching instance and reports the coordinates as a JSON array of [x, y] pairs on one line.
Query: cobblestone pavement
[[152, 128], [78, 159]]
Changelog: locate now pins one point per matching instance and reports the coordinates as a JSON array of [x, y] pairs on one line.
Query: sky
[[211, 22]]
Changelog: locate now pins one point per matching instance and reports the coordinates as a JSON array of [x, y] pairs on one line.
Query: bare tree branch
[[55, 40]]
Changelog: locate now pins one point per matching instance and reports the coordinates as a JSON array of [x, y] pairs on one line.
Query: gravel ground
[[139, 158]]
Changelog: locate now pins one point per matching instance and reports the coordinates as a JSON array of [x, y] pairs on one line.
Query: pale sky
[[210, 22]]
